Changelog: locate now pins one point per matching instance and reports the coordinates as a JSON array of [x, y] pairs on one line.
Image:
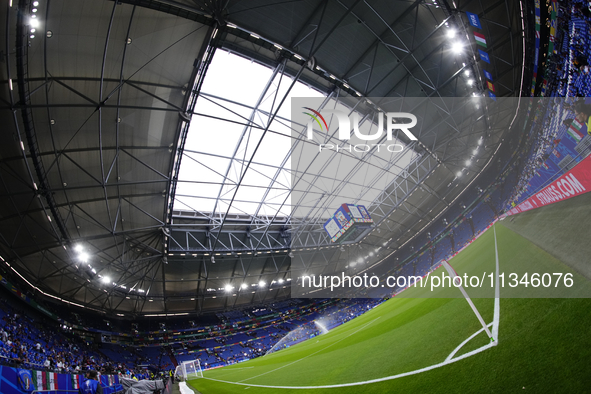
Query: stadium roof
[[116, 190]]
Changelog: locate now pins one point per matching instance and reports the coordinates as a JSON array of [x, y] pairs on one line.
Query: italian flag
[[480, 40], [76, 381], [575, 130], [45, 380]]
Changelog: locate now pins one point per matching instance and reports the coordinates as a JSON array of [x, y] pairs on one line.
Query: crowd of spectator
[[567, 69], [28, 344], [31, 341], [34, 342], [567, 80]]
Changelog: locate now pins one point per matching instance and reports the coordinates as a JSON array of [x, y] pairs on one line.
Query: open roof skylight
[[236, 103], [237, 99]]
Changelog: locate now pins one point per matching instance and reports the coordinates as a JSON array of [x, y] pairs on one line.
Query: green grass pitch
[[544, 343]]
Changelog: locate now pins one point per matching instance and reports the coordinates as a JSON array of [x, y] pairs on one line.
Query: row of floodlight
[[469, 161], [457, 47], [33, 21], [244, 286], [84, 257]]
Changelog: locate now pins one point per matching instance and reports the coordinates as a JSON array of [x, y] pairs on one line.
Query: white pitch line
[[497, 308], [311, 354], [401, 375], [392, 377], [448, 360], [453, 275], [461, 345]]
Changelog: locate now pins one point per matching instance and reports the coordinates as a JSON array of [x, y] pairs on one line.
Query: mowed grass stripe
[[396, 337], [544, 344], [412, 333]]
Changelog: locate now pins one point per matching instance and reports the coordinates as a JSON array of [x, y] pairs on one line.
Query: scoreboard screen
[[345, 219]]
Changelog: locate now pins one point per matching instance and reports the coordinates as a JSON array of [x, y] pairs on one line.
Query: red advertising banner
[[574, 183]]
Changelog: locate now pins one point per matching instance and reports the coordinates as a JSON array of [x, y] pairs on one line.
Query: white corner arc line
[[448, 360], [401, 375], [461, 345]]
